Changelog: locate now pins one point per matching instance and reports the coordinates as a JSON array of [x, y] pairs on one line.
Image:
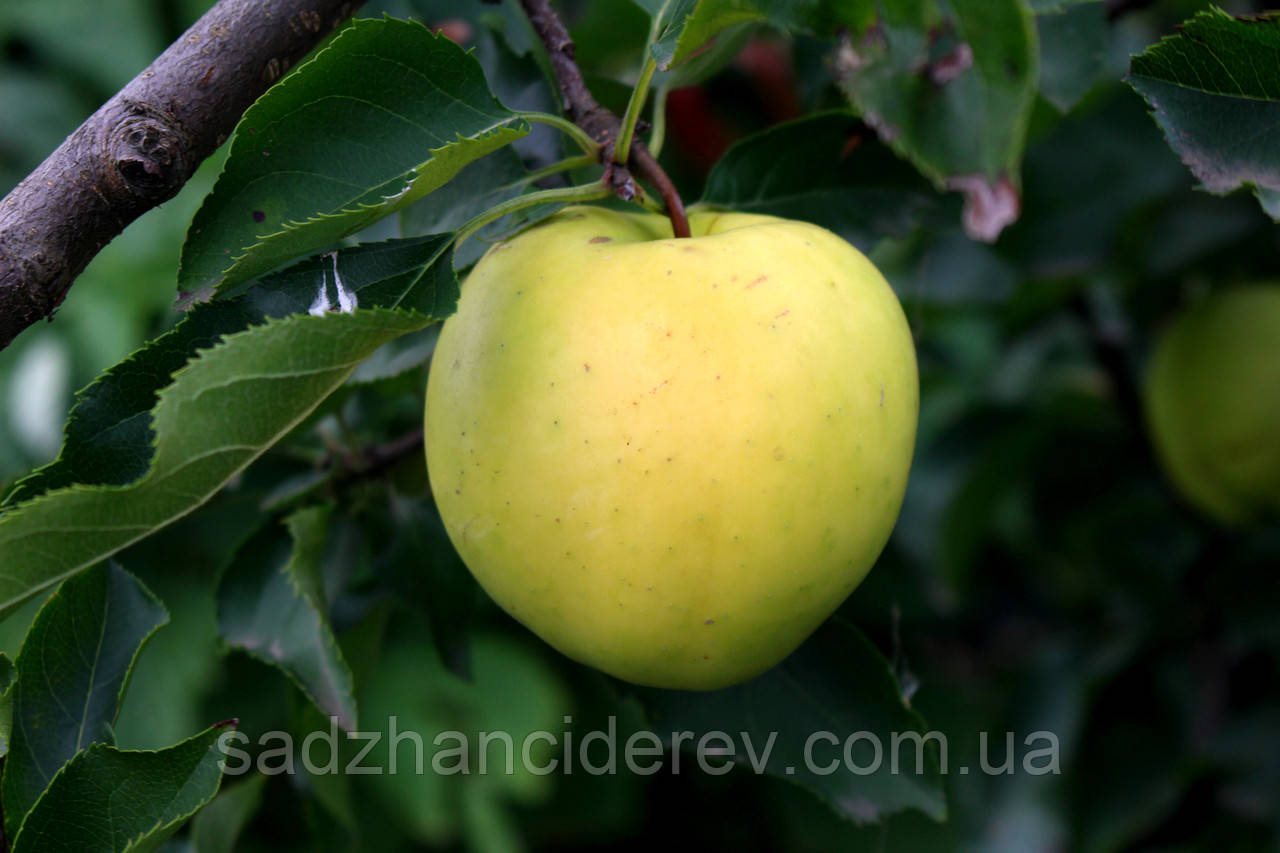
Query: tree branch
[[601, 124], [143, 144]]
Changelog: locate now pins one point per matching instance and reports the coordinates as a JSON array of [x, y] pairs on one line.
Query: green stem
[[582, 161], [650, 203], [577, 134], [582, 192], [659, 133], [622, 146]]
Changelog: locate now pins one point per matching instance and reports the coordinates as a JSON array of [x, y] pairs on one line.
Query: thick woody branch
[[141, 146], [601, 124]]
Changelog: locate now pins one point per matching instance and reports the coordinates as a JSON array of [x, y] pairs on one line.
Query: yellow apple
[[1213, 403], [672, 459]]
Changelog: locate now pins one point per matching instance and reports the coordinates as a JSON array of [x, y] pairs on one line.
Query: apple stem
[[601, 125], [646, 165]]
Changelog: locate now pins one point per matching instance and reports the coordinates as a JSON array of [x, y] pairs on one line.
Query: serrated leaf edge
[[128, 672], [513, 129], [326, 633], [168, 391], [159, 826]]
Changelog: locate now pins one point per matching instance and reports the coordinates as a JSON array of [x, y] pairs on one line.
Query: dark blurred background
[[1044, 574]]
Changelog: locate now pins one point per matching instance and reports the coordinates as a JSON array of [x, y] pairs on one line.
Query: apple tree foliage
[[228, 528]]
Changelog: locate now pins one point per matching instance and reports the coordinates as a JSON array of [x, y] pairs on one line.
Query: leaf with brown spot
[[1214, 89]]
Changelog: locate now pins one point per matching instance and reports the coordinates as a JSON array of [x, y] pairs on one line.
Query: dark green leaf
[[1214, 89], [397, 357], [1073, 46], [952, 95], [123, 801], [109, 435], [1071, 225], [73, 668], [712, 58], [271, 603], [682, 27], [384, 115], [8, 673], [477, 188], [217, 826], [425, 571], [825, 169], [836, 687], [220, 414]]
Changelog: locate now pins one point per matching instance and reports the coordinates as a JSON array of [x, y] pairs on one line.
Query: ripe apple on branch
[[670, 458]]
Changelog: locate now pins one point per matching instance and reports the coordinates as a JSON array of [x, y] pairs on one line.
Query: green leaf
[[951, 95], [217, 826], [512, 690], [73, 667], [710, 59], [380, 118], [109, 435], [477, 188], [839, 689], [1073, 47], [8, 674], [822, 169], [223, 410], [123, 801], [1214, 89], [681, 28], [396, 358], [271, 603], [425, 572]]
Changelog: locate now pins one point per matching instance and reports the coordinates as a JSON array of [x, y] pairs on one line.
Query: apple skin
[[672, 459], [1213, 403]]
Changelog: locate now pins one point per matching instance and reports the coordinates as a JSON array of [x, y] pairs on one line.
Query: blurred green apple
[[672, 459], [1213, 402]]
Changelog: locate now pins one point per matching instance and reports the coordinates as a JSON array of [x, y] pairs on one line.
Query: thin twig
[[374, 461], [144, 143], [601, 124]]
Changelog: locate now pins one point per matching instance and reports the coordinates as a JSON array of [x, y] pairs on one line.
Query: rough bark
[[143, 144]]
